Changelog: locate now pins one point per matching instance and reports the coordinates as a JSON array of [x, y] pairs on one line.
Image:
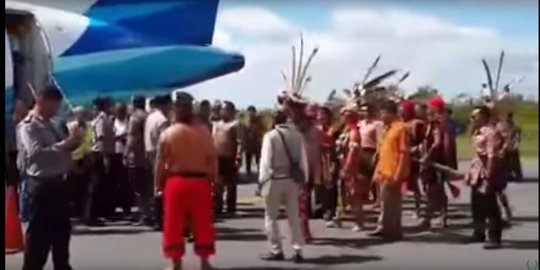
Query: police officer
[[44, 144]]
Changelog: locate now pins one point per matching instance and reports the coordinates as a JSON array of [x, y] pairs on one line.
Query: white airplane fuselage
[[113, 47]]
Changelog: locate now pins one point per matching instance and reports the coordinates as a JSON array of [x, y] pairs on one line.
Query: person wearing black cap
[[48, 210], [185, 178], [102, 149], [138, 167], [229, 145]]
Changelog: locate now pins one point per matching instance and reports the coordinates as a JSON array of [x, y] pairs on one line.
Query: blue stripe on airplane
[[173, 22], [178, 66]]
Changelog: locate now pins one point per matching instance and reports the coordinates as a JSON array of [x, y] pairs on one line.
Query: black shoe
[[395, 237], [271, 256], [64, 268], [492, 245], [297, 257], [477, 239]]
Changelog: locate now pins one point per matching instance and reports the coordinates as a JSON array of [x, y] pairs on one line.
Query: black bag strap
[[287, 150]]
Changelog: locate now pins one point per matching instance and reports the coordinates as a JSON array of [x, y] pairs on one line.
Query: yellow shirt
[[85, 147], [394, 144]]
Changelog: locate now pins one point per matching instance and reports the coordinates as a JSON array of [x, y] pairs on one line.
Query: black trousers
[[156, 202], [329, 203], [514, 165], [96, 203], [78, 180], [330, 194], [141, 181], [309, 188], [158, 212], [250, 156], [122, 191], [485, 207], [228, 174], [49, 226]]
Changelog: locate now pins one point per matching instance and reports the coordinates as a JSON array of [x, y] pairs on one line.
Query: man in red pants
[[185, 177]]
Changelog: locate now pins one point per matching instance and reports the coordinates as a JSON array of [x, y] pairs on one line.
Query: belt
[[190, 175]]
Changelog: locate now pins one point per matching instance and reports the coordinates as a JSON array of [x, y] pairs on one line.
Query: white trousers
[[277, 193]]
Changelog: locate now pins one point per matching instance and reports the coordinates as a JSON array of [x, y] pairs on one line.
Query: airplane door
[[9, 64]]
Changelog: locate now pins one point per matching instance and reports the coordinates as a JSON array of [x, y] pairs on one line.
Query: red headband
[[437, 103], [408, 106]]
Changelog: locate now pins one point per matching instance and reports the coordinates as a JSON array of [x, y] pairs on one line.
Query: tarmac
[[241, 240]]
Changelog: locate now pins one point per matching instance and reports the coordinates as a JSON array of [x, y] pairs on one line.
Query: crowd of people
[[179, 164]]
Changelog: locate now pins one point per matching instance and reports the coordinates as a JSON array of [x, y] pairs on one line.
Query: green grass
[[528, 147], [525, 115]]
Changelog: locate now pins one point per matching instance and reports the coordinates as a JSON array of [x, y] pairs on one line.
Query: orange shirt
[[187, 149], [394, 144]]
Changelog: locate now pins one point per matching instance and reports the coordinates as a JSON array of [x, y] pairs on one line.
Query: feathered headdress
[[352, 100], [497, 96], [370, 88], [297, 82]]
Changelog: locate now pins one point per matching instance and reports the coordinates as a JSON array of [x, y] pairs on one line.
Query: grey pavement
[[241, 240]]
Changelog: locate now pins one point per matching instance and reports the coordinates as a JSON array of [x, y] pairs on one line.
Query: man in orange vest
[[392, 169]]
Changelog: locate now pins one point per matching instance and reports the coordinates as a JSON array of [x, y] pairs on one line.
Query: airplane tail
[[146, 23]]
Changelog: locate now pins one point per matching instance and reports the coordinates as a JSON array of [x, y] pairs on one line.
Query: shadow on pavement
[[520, 244], [442, 237], [241, 237], [110, 231], [525, 219], [526, 180], [239, 234], [244, 179], [349, 242], [341, 259], [258, 268], [323, 260]]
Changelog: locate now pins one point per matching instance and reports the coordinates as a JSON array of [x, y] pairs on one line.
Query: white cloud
[[401, 25], [436, 51], [245, 23]]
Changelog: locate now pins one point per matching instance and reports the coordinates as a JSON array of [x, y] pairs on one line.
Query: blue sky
[[517, 19], [440, 42]]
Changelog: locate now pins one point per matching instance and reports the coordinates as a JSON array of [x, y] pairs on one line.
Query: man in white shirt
[[156, 122], [280, 146], [96, 203]]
